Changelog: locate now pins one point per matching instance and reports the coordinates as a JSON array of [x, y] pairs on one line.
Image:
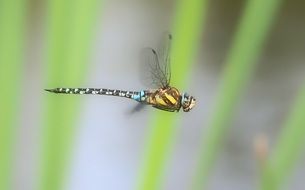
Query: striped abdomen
[[98, 91]]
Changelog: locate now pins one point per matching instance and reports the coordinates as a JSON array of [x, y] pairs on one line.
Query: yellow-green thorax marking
[[169, 99]]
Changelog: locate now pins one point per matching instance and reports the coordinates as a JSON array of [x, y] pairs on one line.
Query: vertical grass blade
[[289, 147], [247, 45], [69, 33], [186, 35], [12, 30]]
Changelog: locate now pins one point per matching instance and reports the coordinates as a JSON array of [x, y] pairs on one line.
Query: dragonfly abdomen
[[99, 91]]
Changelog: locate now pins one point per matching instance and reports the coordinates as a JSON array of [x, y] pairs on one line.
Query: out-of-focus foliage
[[187, 28], [68, 33], [242, 58], [288, 149], [69, 36], [12, 28]]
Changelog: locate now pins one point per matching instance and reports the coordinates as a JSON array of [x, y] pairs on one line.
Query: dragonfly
[[163, 96]]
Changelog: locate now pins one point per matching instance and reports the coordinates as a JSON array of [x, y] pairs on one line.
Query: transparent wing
[[155, 65], [164, 55], [152, 73]]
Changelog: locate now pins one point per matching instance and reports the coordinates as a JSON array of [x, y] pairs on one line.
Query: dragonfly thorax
[[169, 99], [187, 102]]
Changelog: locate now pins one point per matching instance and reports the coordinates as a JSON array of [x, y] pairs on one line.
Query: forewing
[[156, 71], [164, 55], [151, 71]]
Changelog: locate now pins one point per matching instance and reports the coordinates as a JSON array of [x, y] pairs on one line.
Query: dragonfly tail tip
[[49, 90]]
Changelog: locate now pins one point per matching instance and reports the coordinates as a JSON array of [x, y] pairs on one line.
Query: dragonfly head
[[187, 102]]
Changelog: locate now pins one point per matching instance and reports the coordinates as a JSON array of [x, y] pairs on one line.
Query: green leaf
[[69, 35], [187, 31], [247, 46], [12, 30]]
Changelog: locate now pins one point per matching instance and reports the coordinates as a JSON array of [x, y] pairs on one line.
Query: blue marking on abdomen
[[139, 97]]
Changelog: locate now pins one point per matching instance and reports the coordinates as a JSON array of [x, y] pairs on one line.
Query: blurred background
[[244, 62]]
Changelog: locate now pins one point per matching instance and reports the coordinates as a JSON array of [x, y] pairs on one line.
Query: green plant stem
[[288, 148], [186, 36], [69, 35], [12, 27], [242, 58]]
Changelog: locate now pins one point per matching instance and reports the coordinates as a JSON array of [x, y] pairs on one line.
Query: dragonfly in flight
[[163, 96]]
